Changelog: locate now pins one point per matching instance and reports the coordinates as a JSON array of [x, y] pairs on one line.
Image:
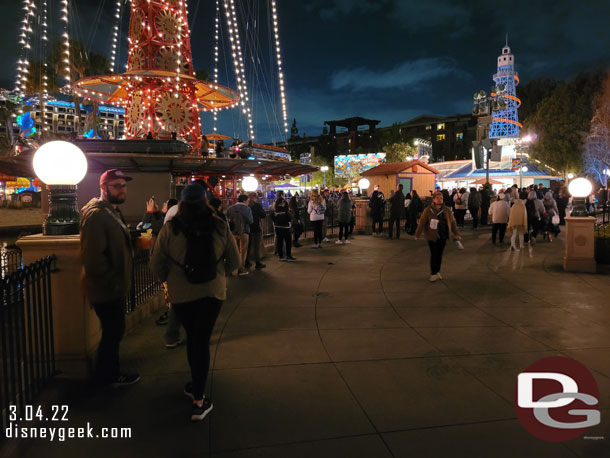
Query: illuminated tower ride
[[159, 91], [505, 119]]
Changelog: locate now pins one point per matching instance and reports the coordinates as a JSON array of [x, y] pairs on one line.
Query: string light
[[115, 35], [279, 64], [216, 41], [65, 17], [238, 63], [23, 65]]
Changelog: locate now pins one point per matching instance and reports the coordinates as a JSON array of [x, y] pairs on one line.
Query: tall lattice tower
[[159, 90], [505, 118]]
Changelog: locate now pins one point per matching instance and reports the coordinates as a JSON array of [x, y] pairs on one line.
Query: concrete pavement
[[351, 351]]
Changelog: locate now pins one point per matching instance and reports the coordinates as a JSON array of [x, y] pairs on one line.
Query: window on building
[[428, 127], [440, 137], [440, 126], [459, 136]]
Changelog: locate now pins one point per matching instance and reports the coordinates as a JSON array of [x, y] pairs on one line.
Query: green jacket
[[106, 252], [170, 249]]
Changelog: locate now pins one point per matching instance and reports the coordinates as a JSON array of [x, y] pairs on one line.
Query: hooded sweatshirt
[[106, 252]]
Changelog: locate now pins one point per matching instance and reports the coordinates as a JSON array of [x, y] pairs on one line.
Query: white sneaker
[[338, 242], [346, 241], [434, 278], [326, 239]]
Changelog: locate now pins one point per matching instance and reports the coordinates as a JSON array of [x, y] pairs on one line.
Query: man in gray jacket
[[106, 254], [240, 219]]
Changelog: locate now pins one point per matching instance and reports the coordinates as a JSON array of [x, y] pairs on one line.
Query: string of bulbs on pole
[[276, 32], [238, 63], [216, 41], [115, 34], [23, 65], [65, 17]]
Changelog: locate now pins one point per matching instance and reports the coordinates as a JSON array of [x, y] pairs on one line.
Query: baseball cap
[[113, 174]]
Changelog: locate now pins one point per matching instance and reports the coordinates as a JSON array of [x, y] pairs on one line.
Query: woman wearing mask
[[316, 209]]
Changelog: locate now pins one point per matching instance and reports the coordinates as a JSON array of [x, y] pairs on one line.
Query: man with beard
[[106, 254]]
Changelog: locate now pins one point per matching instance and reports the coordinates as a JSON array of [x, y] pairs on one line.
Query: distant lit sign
[[516, 164], [355, 164]]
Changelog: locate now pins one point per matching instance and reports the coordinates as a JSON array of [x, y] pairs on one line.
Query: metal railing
[[602, 236], [144, 284], [26, 336], [10, 260]]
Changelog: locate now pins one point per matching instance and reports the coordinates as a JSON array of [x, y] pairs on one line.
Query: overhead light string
[[23, 64], [115, 35], [216, 42], [276, 32], [65, 18]]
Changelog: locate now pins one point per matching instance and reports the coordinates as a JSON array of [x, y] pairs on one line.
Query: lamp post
[[364, 183], [580, 231], [580, 188], [61, 166], [324, 169]]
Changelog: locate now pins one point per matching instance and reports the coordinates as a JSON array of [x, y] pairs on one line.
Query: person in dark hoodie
[[397, 202], [107, 256], [282, 225], [377, 205]]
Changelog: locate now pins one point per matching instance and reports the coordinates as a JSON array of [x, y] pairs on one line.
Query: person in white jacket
[[499, 212], [316, 209]]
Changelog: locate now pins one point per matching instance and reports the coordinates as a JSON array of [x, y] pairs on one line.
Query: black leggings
[[112, 319], [282, 237], [343, 230], [317, 232], [198, 318], [436, 255]]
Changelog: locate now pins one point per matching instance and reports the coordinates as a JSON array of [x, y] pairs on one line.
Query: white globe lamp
[[61, 166], [364, 183], [580, 188], [249, 184]]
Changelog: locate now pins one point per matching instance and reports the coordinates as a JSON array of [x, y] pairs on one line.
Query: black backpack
[[200, 260]]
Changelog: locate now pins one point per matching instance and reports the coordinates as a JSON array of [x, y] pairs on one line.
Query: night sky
[[389, 60]]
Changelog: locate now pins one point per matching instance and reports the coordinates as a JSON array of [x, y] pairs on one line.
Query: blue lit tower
[[505, 119]]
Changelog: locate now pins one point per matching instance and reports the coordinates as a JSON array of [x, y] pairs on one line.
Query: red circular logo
[[557, 399]]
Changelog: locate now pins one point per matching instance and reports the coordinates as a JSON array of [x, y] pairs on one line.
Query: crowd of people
[[199, 243]]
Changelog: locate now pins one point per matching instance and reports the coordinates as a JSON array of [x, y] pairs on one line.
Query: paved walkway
[[351, 352]]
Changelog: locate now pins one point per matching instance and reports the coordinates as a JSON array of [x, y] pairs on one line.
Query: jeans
[[198, 318], [254, 247], [317, 232], [436, 255], [343, 230], [394, 219], [494, 230], [413, 222], [112, 319], [282, 236], [459, 216]]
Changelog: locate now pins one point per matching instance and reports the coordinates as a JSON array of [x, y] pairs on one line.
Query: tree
[[596, 153], [398, 152], [562, 121], [391, 136], [294, 131], [83, 63], [532, 93]]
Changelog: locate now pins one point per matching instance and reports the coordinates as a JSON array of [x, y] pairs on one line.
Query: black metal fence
[[26, 336], [144, 284], [602, 236], [10, 260]]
